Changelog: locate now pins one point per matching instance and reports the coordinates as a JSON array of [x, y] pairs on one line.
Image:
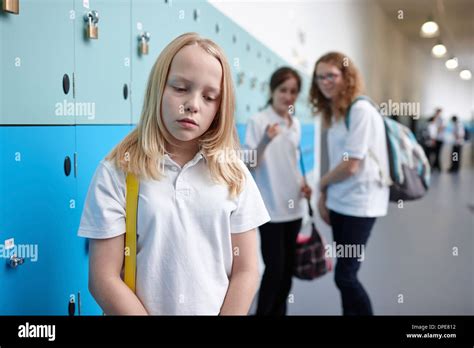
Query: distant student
[[458, 141], [439, 139], [197, 215], [275, 134], [352, 192]]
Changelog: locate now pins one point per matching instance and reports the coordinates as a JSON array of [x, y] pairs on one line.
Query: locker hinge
[[75, 164]]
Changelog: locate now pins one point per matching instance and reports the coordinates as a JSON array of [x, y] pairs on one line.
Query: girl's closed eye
[[210, 98], [179, 89]]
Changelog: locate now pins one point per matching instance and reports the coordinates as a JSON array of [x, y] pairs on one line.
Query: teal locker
[[37, 63], [189, 15], [158, 19], [102, 65], [38, 183]]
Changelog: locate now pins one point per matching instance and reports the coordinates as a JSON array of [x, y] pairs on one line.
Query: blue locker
[[39, 211], [102, 65], [93, 143], [37, 59]]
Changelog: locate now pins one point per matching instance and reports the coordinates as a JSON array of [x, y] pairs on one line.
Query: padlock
[[144, 38], [143, 46], [11, 6], [92, 30]]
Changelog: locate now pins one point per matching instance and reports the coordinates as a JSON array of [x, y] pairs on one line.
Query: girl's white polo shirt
[[185, 222], [277, 175], [363, 193]]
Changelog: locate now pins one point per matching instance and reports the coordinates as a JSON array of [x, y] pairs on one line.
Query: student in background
[[458, 142], [352, 192], [429, 139], [275, 134], [439, 138]]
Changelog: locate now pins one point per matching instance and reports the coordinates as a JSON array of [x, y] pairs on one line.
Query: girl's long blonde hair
[[353, 86], [142, 151]]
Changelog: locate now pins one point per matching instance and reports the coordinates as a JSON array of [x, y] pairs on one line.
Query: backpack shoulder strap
[[131, 231], [360, 97], [384, 178]]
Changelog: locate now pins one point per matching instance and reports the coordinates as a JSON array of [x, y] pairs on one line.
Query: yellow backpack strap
[[131, 231]]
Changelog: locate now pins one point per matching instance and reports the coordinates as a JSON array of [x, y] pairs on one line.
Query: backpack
[[409, 176]]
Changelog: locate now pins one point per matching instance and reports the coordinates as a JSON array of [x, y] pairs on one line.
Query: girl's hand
[[273, 130], [323, 210], [306, 190]]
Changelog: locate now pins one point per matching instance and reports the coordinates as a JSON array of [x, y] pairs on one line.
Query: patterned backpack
[[409, 176]]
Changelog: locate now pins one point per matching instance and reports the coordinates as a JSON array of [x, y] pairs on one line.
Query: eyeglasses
[[330, 77]]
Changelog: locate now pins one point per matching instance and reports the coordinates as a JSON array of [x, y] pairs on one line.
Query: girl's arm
[[105, 284], [244, 278], [270, 133], [343, 170]]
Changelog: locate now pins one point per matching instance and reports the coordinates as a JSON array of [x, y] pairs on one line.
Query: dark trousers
[[456, 151], [351, 230], [278, 242], [437, 151]]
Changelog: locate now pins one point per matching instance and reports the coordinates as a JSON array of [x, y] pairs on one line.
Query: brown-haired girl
[[275, 134]]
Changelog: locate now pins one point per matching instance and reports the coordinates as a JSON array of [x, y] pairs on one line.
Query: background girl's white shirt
[[277, 175], [361, 194], [185, 221]]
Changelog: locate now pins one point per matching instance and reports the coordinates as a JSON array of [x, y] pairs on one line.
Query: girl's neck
[[283, 114], [182, 151]]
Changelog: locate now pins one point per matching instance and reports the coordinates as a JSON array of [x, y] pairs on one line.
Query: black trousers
[[456, 151], [278, 242], [351, 231], [437, 152]]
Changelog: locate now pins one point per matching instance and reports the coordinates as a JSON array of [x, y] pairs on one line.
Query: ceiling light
[[429, 29], [451, 63], [465, 74], [439, 50]]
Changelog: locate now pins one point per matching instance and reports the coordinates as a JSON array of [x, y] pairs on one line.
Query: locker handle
[[125, 91], [67, 166], [66, 83]]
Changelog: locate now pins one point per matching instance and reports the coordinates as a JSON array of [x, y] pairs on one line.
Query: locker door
[[102, 65], [38, 211], [36, 56], [93, 143], [157, 18]]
